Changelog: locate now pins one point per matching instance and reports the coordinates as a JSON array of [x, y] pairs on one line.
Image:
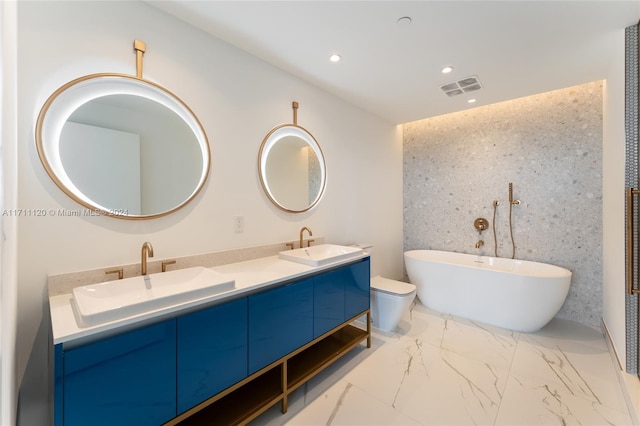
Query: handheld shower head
[[511, 200]]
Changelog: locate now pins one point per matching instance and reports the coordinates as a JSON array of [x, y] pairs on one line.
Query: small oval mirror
[[122, 146], [292, 168]]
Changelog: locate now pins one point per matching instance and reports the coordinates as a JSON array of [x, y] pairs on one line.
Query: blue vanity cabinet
[[328, 301], [339, 295], [212, 351], [280, 321], [58, 385], [357, 287], [127, 379], [157, 373]]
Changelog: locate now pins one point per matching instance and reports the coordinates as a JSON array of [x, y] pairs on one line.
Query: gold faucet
[[479, 244], [147, 249], [302, 232]]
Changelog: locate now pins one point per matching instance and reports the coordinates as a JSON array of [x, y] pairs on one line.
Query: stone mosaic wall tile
[[550, 147], [631, 181]]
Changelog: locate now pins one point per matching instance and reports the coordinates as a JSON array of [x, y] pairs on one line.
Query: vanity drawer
[[212, 351], [328, 301], [357, 287], [280, 321], [128, 379], [340, 295]]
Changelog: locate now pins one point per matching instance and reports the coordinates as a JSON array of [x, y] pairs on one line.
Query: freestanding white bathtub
[[514, 294]]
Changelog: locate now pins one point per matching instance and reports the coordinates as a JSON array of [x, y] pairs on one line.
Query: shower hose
[[495, 235]]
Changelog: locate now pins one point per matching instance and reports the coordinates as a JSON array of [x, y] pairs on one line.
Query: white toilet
[[390, 299]]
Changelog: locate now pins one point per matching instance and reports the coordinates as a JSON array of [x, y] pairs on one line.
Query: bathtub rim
[[494, 263]]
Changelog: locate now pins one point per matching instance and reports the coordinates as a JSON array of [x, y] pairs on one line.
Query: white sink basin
[[109, 301], [321, 254]]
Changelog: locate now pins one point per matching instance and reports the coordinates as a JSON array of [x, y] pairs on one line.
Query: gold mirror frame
[[69, 97], [271, 139]]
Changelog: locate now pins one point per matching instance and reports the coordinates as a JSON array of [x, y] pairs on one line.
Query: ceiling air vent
[[466, 85]]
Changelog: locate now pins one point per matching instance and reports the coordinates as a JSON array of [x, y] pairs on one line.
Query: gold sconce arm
[[295, 105], [140, 47]]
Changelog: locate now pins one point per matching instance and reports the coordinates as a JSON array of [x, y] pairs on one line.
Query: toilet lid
[[391, 286]]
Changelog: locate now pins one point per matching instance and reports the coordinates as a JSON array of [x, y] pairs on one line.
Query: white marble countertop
[[250, 275]]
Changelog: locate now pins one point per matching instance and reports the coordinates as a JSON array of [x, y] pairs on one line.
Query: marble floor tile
[[347, 404], [564, 333], [536, 402], [444, 387], [384, 371], [481, 342], [583, 371], [437, 369]]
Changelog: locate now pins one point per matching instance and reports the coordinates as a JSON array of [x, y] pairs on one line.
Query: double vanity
[[207, 342], [201, 345]]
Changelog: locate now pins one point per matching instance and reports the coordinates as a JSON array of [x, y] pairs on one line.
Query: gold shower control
[[480, 224]]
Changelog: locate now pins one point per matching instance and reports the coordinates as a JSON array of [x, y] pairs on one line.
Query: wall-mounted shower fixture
[[512, 202], [479, 244], [495, 235], [481, 224]]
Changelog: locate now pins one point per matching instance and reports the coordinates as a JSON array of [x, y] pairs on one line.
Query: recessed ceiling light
[[335, 57], [471, 101], [404, 21], [447, 69]]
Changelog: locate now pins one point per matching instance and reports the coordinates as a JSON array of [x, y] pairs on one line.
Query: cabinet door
[[280, 321], [356, 288], [128, 379], [212, 351], [328, 301], [58, 385]]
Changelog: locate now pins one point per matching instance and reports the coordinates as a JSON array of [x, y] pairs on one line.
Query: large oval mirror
[[292, 168], [122, 146]]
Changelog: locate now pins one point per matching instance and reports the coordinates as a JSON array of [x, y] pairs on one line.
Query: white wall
[[613, 160], [8, 200], [238, 99]]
